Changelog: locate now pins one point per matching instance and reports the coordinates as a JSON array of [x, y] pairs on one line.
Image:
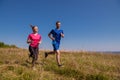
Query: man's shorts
[[55, 45]]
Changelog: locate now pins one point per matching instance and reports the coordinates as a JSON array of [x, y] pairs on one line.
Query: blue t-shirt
[[56, 33]]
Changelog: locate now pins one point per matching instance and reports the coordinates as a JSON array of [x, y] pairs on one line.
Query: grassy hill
[[3, 45], [77, 66]]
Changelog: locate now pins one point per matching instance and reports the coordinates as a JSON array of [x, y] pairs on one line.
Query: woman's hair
[[32, 26]]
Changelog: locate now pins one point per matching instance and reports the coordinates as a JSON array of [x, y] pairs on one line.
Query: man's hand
[[62, 35], [52, 38]]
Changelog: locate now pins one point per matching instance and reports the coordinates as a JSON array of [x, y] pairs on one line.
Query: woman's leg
[[36, 53], [33, 57], [31, 51]]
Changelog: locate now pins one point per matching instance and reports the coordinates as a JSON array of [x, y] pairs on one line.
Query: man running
[[55, 35]]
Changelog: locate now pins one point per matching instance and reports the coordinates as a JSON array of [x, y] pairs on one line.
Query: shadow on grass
[[26, 64], [67, 72], [77, 75]]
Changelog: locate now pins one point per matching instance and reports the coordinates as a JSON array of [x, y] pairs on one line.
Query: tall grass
[[77, 66]]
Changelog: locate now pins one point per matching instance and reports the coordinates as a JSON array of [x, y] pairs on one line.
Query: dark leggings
[[33, 53]]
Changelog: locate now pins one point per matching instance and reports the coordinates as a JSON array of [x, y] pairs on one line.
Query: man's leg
[[47, 53], [58, 57], [55, 46]]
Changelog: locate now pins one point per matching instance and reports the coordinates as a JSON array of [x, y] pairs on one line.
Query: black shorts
[[33, 52]]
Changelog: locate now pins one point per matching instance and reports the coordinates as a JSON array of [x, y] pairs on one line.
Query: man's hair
[[57, 22]]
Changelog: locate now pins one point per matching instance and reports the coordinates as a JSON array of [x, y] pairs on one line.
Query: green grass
[[77, 66]]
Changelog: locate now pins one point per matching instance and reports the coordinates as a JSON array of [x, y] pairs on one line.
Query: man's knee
[[57, 52]]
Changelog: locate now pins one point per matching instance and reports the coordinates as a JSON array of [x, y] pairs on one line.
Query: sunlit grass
[[77, 66]]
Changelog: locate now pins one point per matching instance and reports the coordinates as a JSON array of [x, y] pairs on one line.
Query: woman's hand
[[39, 42], [29, 41]]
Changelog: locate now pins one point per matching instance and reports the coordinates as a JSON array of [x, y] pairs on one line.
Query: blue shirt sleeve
[[52, 31]]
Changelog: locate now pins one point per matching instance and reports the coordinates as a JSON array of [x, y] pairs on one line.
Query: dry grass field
[[77, 66]]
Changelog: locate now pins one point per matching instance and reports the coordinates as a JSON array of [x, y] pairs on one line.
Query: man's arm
[[62, 35], [50, 36]]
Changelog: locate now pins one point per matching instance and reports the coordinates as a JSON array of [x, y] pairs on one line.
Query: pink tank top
[[35, 39]]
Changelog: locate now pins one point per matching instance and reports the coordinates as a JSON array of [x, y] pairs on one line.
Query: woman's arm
[[40, 42], [29, 41]]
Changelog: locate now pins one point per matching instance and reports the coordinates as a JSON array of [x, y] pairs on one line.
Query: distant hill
[[110, 52], [3, 45]]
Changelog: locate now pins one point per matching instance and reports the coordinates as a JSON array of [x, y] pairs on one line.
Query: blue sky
[[92, 25]]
